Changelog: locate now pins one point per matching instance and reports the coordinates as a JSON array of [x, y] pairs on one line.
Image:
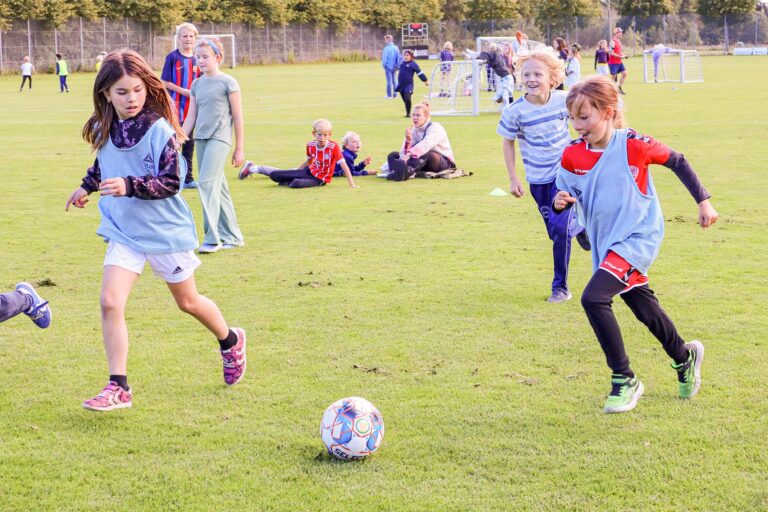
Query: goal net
[[670, 65], [461, 87]]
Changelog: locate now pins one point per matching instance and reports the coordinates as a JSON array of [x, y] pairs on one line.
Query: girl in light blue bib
[[606, 173], [139, 174]]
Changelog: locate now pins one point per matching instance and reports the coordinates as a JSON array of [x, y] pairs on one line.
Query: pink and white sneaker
[[111, 397], [234, 359]]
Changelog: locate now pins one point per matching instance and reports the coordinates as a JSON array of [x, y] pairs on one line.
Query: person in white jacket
[[425, 147]]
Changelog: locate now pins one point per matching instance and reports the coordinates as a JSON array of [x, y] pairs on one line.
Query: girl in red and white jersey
[[606, 173]]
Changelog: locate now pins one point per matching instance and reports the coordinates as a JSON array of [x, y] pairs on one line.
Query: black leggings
[[407, 100], [24, 79], [432, 161], [295, 178], [597, 299]]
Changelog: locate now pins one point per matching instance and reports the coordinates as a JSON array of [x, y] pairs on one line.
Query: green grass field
[[427, 298]]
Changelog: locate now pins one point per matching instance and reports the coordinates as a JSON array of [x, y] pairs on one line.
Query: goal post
[[461, 88], [671, 65]]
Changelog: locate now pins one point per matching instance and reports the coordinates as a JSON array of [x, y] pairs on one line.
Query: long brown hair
[[116, 65], [600, 93]]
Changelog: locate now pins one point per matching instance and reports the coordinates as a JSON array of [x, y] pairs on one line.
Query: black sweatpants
[[597, 299], [295, 178], [187, 150], [24, 78]]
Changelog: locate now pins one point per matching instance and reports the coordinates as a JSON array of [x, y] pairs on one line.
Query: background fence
[[80, 40]]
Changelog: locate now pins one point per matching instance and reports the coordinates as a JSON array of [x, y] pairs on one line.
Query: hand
[[562, 199], [409, 133], [238, 158], [352, 184], [368, 160], [79, 198], [516, 188], [707, 214], [112, 187], [426, 83], [416, 152]]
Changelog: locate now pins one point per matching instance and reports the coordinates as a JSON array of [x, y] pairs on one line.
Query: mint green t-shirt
[[214, 116]]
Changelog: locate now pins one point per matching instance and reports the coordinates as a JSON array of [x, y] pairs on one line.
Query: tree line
[[343, 13]]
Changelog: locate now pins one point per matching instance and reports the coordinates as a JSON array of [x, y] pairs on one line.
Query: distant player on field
[[179, 71]]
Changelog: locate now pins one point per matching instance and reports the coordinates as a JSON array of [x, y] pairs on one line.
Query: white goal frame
[[674, 66], [232, 57]]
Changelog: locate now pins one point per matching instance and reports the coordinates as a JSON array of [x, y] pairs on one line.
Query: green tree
[[717, 8], [645, 7], [492, 9]]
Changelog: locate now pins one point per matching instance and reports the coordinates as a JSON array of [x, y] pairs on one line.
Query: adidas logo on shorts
[[177, 270]]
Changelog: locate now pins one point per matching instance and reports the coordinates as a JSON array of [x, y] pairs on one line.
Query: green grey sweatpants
[[219, 219]]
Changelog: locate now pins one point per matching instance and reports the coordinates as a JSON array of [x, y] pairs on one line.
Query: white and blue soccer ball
[[352, 428]]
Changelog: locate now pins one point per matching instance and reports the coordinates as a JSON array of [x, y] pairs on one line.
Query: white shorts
[[174, 267]]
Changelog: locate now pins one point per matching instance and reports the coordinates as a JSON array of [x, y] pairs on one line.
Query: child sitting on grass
[[316, 170], [350, 148]]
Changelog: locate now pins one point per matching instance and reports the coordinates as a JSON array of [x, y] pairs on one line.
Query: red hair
[[599, 92]]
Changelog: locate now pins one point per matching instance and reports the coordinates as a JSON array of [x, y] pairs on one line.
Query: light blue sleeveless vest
[[618, 217], [155, 226]]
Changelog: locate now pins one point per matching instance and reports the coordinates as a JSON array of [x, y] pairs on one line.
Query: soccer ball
[[352, 428]]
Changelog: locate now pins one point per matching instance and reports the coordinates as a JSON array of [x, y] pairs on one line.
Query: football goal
[[670, 65], [461, 88]]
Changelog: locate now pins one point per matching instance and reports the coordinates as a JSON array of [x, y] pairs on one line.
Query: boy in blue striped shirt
[[539, 121]]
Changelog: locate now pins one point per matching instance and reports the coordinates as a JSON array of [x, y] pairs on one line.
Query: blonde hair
[[599, 92], [349, 136], [187, 26], [554, 64], [448, 46], [424, 105], [602, 42], [214, 43], [322, 124]]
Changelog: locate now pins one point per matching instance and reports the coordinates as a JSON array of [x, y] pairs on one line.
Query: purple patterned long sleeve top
[[126, 134]]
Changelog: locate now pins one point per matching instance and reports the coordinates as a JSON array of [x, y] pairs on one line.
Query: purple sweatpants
[[12, 304]]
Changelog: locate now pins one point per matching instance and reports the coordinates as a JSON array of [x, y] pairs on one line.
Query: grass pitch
[[427, 298]]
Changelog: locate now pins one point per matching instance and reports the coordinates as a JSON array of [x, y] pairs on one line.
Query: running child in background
[[179, 71], [408, 68], [601, 58], [27, 68], [350, 147], [606, 173], [322, 156], [446, 57], [504, 86], [62, 69], [539, 120], [573, 66], [24, 299], [138, 172], [215, 106]]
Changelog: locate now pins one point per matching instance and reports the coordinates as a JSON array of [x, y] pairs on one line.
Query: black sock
[[228, 342], [121, 380]]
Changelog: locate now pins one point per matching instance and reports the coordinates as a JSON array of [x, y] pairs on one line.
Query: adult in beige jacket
[[426, 147]]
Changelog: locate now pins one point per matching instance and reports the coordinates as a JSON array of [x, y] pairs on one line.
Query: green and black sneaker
[[689, 372], [625, 392]]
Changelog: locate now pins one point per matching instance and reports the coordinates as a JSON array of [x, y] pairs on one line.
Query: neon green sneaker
[[689, 372], [625, 392]]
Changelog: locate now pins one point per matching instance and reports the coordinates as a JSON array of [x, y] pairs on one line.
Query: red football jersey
[[615, 48], [323, 161], [642, 151]]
